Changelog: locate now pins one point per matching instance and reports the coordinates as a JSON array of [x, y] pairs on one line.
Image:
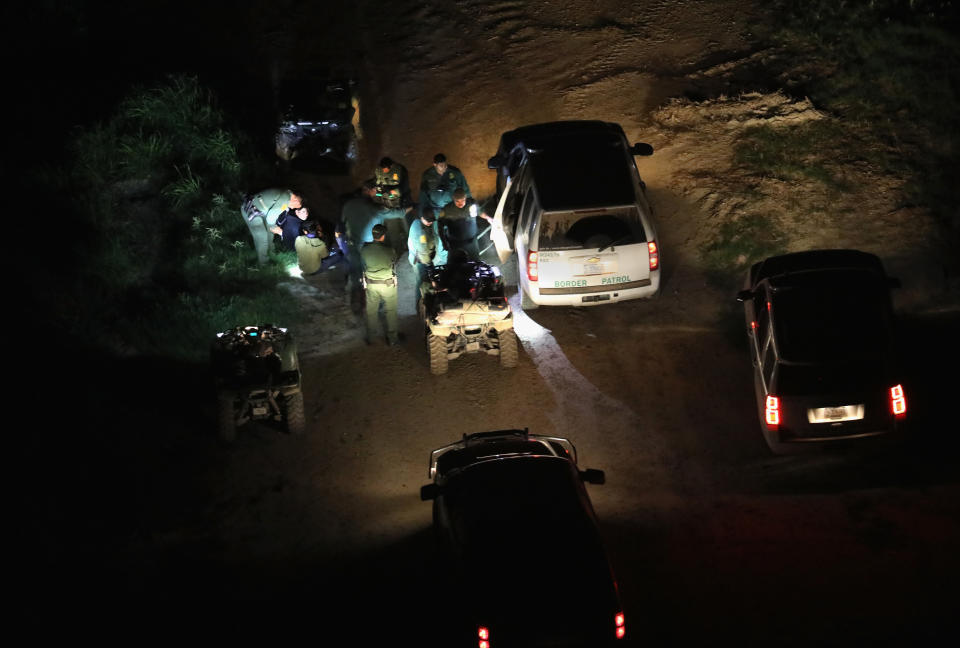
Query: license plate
[[834, 413], [592, 268], [259, 411], [473, 346]]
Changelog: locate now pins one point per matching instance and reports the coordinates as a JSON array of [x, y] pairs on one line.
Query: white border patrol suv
[[573, 207]]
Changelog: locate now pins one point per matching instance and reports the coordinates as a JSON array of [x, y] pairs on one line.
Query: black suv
[[821, 332], [519, 533]]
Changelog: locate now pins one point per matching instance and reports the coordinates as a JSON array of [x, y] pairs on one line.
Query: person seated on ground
[[313, 256]]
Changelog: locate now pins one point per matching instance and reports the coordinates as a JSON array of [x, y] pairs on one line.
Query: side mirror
[[744, 295], [495, 162], [893, 282], [429, 492], [641, 148], [593, 476]]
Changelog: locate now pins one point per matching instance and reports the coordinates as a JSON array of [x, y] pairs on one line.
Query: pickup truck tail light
[[533, 270]]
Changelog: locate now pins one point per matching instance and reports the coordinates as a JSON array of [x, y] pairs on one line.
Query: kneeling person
[[313, 256]]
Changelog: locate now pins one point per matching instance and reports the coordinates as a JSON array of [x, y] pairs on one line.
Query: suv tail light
[[771, 412], [654, 255], [620, 625], [483, 637], [533, 271], [898, 402]]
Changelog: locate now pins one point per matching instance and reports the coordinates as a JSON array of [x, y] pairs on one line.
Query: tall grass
[[163, 258]]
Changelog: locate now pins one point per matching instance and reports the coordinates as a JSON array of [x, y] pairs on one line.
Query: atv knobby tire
[[296, 420], [508, 348], [226, 417], [437, 350]]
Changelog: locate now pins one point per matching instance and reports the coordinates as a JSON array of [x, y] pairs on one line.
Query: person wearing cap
[[313, 256], [393, 183], [458, 224], [261, 211], [439, 182], [380, 284], [424, 248]]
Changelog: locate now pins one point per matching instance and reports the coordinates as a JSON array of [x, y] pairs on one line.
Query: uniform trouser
[[382, 295], [328, 262], [356, 267], [262, 237], [421, 278]]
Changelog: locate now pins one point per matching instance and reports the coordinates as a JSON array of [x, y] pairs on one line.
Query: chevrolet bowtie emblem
[[593, 260]]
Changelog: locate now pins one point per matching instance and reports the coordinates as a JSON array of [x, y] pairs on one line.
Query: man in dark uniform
[[439, 182], [458, 224], [380, 285]]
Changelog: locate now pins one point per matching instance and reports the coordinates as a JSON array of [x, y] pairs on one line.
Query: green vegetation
[[740, 241], [890, 70], [161, 259]]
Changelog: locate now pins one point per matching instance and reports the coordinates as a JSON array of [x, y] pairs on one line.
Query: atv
[[466, 311], [257, 376], [318, 119]]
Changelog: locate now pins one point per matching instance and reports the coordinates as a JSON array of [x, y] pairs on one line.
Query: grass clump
[[738, 242], [162, 258]]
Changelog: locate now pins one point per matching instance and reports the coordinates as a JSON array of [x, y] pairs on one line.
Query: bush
[[165, 259]]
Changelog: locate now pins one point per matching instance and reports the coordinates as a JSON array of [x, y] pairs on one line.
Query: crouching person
[[313, 256]]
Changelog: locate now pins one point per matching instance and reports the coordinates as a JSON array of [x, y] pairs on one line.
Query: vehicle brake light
[[772, 411], [483, 634], [533, 271], [654, 255], [898, 402], [620, 624]]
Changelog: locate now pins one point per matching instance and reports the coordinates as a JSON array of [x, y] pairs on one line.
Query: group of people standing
[[444, 219]]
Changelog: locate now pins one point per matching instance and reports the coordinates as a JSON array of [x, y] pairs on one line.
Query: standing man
[[424, 248], [458, 225], [358, 216], [380, 284], [393, 184], [260, 212], [439, 182]]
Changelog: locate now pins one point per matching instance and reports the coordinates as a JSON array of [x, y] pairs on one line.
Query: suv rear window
[[590, 229], [822, 322]]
